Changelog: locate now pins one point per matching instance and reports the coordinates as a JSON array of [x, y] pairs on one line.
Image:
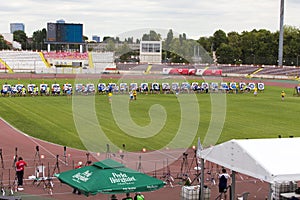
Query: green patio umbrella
[[110, 177]]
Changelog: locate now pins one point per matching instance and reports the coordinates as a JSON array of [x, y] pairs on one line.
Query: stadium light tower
[[280, 47]]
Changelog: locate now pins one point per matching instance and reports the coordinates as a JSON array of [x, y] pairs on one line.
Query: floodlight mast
[[280, 47]]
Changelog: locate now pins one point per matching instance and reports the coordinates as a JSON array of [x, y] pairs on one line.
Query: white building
[[151, 52]]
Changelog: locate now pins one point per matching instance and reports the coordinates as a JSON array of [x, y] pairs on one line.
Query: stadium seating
[[103, 62], [23, 61], [247, 69], [66, 55], [286, 71], [2, 67]]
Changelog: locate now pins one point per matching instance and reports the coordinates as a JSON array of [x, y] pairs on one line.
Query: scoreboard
[[64, 33]]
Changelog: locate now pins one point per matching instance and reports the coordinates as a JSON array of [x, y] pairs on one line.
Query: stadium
[[65, 107]]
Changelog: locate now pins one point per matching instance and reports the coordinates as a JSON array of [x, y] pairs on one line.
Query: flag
[[199, 149]]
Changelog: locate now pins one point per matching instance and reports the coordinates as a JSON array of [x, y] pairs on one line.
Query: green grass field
[[52, 118]]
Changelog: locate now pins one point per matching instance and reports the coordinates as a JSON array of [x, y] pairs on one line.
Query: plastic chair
[[39, 175], [40, 171], [243, 196]]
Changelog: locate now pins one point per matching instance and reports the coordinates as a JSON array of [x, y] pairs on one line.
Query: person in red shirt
[[20, 166]]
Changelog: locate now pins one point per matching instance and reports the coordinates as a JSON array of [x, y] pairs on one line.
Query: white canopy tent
[[270, 160]]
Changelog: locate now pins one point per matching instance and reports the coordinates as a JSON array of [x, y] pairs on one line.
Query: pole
[[202, 180], [65, 155], [270, 191], [1, 157], [232, 190], [280, 47]]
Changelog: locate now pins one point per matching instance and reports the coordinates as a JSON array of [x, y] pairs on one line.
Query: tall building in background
[[96, 38], [17, 27], [60, 21]]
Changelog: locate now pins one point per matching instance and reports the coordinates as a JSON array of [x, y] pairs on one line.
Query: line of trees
[[254, 47], [249, 47]]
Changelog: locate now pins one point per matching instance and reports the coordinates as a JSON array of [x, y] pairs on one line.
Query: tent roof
[[271, 160], [108, 164], [109, 177]]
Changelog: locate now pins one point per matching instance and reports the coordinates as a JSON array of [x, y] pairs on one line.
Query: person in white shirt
[[223, 177]]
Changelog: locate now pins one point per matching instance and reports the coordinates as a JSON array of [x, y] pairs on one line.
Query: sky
[[196, 18]]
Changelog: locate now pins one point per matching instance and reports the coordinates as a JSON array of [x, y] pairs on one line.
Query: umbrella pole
[[270, 191], [201, 194], [232, 190]]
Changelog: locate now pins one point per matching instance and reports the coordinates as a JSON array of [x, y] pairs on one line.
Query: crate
[[284, 187], [192, 193]]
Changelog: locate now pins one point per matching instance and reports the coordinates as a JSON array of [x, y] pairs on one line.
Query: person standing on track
[[223, 177], [20, 166]]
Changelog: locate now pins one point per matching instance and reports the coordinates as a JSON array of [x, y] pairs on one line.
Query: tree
[[129, 40], [3, 44], [152, 36], [206, 43], [184, 36], [248, 45], [264, 48], [21, 37], [219, 38], [183, 50], [180, 39], [124, 49], [110, 46], [38, 39], [84, 38], [234, 41], [226, 54], [166, 45], [254, 47], [291, 46], [107, 38], [168, 40]]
